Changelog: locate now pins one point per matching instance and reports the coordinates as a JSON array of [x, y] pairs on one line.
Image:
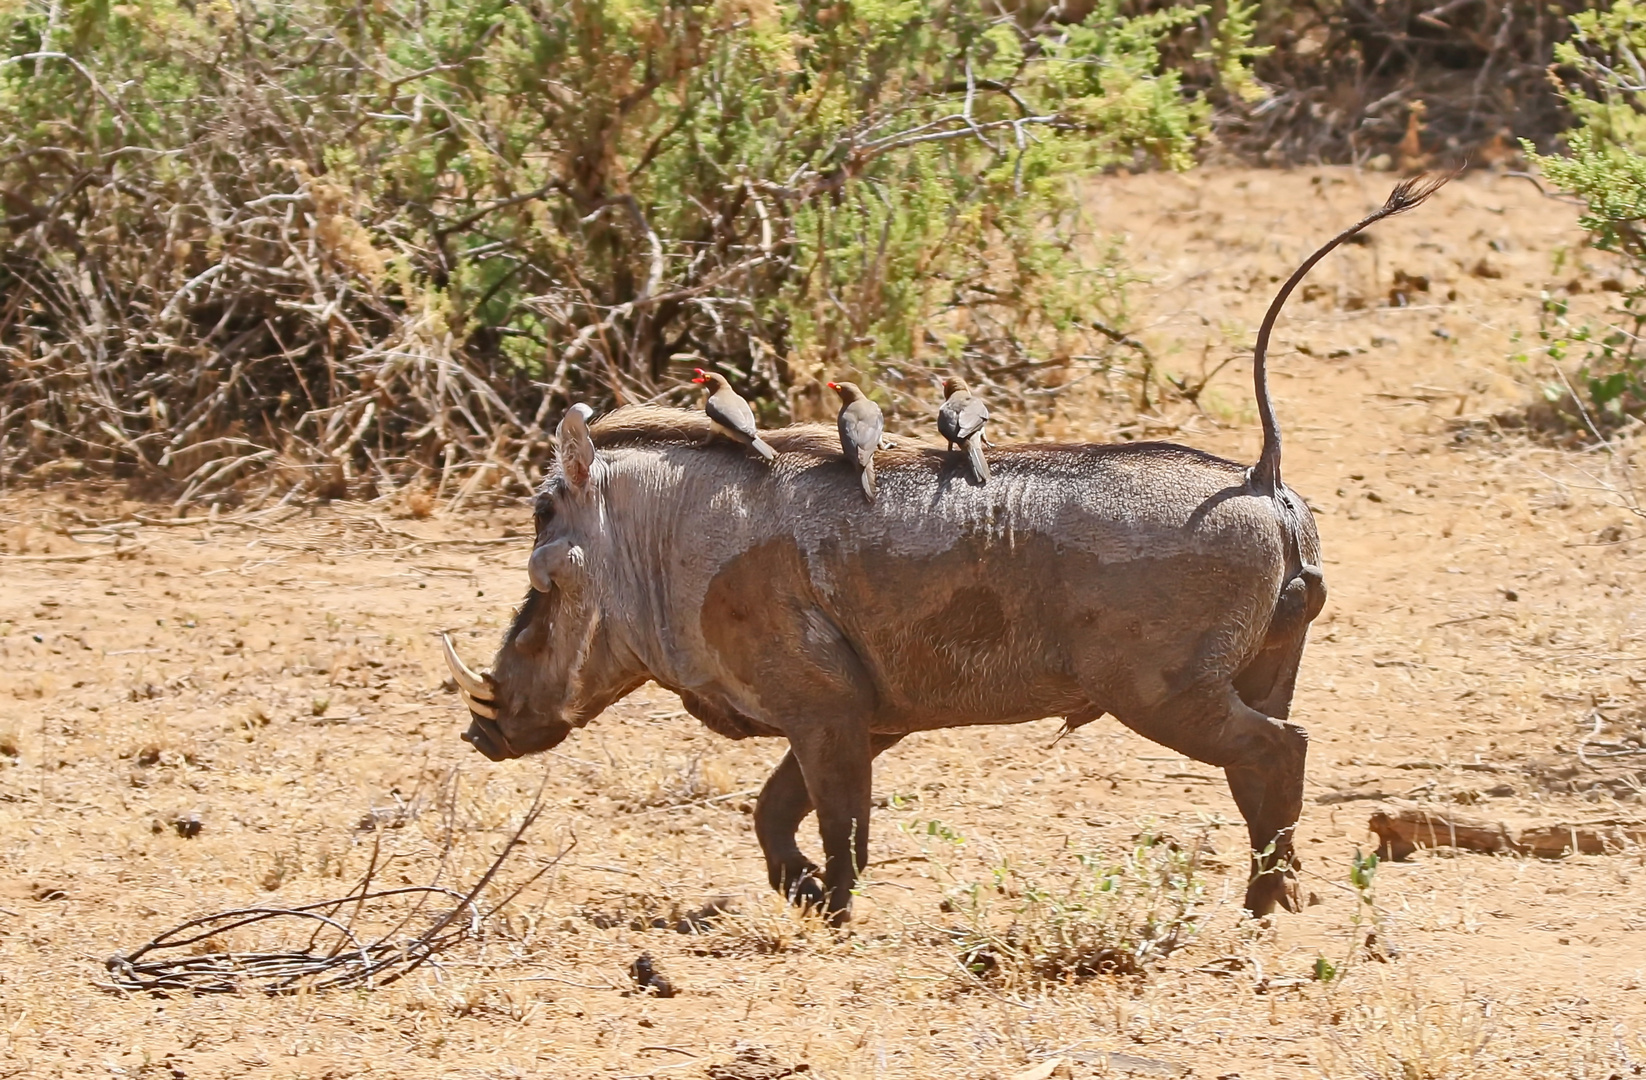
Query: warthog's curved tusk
[[480, 706], [473, 684]]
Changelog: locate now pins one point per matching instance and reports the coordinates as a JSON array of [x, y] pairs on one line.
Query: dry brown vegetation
[[275, 680], [1403, 80]]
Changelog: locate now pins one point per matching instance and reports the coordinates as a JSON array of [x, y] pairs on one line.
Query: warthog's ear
[[554, 563], [575, 448]]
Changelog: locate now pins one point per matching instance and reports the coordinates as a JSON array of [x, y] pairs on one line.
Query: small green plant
[[1362, 873], [1612, 364], [1107, 916], [935, 829], [1365, 924]]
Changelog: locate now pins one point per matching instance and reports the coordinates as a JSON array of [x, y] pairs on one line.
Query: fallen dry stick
[[119, 553], [1401, 830]]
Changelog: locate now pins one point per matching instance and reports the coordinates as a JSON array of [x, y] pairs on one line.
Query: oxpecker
[[730, 415], [861, 427], [961, 421]]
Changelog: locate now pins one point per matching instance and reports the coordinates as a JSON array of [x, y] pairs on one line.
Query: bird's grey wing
[[861, 430], [875, 423], [948, 423], [731, 411], [973, 415]]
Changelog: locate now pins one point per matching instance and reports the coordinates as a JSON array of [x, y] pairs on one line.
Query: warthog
[[1161, 585]]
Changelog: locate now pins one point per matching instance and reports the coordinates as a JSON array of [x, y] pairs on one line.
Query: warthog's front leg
[[784, 802], [836, 759], [782, 805]]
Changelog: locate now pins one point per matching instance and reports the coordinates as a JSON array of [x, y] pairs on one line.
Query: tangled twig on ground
[[335, 953]]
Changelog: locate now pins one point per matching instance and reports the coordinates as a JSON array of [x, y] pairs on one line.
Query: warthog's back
[[1069, 582]]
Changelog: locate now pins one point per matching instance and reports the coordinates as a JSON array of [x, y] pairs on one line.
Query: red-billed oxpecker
[[961, 421], [861, 428], [729, 415]]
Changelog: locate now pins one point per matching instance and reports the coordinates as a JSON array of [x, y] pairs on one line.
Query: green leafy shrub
[[1605, 165], [363, 241]]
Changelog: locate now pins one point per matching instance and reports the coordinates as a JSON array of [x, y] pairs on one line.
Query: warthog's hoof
[[806, 892], [1269, 890]]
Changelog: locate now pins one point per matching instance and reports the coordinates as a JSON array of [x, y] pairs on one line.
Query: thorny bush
[[345, 246]]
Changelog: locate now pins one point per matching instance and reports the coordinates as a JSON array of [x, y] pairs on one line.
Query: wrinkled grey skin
[[1150, 582]]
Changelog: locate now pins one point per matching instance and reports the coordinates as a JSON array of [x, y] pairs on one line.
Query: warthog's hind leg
[[1262, 758], [1268, 799], [783, 803]]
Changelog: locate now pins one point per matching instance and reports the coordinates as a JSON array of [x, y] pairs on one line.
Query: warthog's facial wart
[[552, 561]]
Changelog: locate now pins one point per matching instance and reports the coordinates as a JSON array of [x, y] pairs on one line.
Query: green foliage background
[[1603, 82], [367, 239]]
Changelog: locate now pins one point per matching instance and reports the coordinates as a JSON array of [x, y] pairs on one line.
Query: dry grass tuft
[[1106, 917], [1403, 1030], [766, 924]]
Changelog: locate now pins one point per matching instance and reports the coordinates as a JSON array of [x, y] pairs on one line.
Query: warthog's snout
[[485, 737], [505, 728]]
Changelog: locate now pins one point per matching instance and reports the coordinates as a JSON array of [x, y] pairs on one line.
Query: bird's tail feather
[[869, 485], [763, 449], [974, 454]]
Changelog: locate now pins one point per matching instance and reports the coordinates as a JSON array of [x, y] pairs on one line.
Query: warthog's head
[[559, 666]]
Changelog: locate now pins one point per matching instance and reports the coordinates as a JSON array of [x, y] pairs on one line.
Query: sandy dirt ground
[[223, 714]]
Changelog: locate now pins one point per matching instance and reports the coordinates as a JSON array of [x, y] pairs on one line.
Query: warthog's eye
[[548, 495]]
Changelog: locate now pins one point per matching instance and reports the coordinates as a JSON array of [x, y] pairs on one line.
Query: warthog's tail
[[1408, 194]]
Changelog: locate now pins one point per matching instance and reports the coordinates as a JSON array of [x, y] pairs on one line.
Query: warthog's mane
[[644, 425], [658, 425]]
